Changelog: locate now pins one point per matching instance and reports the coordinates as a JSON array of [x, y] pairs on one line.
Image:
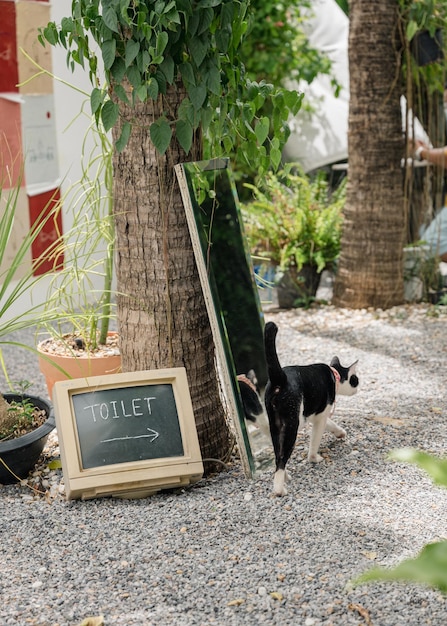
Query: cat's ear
[[353, 368], [352, 376], [251, 375], [335, 362]]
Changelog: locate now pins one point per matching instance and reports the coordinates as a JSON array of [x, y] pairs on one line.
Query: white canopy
[[320, 137]]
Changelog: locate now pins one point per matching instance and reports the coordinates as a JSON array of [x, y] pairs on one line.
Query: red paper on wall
[[9, 76], [48, 256]]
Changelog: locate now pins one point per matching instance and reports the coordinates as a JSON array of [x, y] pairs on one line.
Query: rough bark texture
[[162, 314], [370, 269]]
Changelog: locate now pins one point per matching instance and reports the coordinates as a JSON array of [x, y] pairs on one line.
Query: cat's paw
[[315, 458], [340, 434], [279, 488], [280, 492], [335, 429], [288, 476]]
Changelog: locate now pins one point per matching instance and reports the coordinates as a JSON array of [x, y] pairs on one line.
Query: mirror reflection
[[228, 279]]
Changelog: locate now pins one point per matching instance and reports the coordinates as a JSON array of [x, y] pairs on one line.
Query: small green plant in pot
[[18, 417], [294, 221], [81, 342], [25, 423]]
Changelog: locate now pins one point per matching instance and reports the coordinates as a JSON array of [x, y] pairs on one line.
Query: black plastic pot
[[21, 454], [427, 48], [435, 297], [296, 288]]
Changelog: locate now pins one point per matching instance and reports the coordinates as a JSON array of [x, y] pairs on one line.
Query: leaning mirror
[[228, 283]]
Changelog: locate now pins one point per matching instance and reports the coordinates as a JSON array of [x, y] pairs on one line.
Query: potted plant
[[21, 442], [81, 343], [25, 423], [294, 222]]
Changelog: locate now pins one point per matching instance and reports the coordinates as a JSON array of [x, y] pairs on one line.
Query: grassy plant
[[19, 279], [88, 249]]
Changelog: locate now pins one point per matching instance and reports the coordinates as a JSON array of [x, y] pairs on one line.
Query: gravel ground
[[226, 552]]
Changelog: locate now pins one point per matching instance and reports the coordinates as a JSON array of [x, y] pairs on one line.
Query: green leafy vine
[[148, 47]]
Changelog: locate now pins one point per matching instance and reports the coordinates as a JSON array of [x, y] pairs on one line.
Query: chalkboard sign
[[127, 424], [126, 434]]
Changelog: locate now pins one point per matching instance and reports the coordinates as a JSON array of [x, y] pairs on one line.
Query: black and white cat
[[300, 393]]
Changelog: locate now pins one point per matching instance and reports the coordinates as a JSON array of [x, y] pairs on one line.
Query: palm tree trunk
[[370, 269], [162, 314]]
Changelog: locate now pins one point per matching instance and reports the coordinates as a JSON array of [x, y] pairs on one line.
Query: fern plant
[[294, 220]]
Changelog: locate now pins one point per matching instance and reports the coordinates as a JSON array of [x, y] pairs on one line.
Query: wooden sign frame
[[83, 406]]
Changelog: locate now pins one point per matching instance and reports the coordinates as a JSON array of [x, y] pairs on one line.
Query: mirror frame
[[200, 238]]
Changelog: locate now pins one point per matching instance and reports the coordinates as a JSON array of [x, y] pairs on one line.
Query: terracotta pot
[[19, 455], [80, 365]]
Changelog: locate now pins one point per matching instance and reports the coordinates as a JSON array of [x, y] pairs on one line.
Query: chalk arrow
[[152, 436]]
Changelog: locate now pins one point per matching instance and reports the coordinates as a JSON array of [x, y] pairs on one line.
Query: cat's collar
[[336, 375], [244, 379]]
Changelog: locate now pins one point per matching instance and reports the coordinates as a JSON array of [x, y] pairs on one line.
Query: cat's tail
[[275, 371]]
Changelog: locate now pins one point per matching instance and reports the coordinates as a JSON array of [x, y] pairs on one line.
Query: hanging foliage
[[151, 45]]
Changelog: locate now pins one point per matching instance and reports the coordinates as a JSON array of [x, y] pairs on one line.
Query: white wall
[[68, 104], [71, 130]]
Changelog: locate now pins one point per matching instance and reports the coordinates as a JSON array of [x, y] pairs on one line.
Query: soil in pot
[[19, 454]]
